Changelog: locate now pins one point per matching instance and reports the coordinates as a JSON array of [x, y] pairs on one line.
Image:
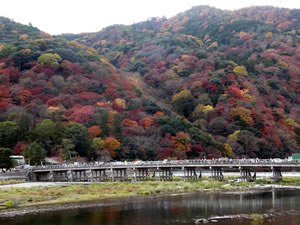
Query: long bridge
[[158, 170]]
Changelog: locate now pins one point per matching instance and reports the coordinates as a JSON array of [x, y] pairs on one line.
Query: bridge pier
[[80, 175], [216, 173], [189, 173], [70, 175], [41, 176], [59, 176], [142, 174], [99, 175], [119, 174], [277, 176], [245, 174], [164, 173]]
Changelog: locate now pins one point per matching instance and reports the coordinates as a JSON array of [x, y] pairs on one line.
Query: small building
[[19, 159], [296, 156]]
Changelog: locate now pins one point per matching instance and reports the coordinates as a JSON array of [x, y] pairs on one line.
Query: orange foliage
[[244, 35], [94, 131], [23, 37], [147, 122], [182, 142], [111, 144], [159, 114], [129, 123], [24, 96], [48, 84]]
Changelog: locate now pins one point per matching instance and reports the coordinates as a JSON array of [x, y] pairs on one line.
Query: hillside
[[205, 83]]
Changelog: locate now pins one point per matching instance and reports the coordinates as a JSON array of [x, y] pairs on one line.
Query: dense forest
[[204, 83]]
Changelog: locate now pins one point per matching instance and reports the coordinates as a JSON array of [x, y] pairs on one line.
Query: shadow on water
[[273, 207]]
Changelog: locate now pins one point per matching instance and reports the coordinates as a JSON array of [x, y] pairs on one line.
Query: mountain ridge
[[204, 83]]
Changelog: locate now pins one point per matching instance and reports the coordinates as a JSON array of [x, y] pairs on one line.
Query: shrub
[[9, 204]]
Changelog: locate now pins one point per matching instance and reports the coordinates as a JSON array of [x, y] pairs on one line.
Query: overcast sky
[[76, 16]]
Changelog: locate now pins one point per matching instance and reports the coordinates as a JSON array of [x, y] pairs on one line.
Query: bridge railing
[[200, 162]]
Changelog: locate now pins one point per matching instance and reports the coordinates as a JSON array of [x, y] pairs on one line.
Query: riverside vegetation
[[75, 193]]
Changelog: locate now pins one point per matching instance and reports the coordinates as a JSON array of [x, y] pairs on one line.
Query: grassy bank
[[20, 197], [7, 182]]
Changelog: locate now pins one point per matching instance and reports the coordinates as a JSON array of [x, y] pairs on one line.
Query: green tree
[[9, 133], [97, 146], [34, 154], [104, 117], [48, 133], [117, 127], [183, 102], [79, 136], [68, 149], [128, 150], [24, 122], [5, 160], [49, 59]]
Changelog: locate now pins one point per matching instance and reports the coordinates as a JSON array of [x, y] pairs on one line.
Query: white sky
[[75, 16]]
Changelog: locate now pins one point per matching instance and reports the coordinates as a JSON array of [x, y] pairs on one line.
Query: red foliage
[[236, 91], [197, 148], [19, 148], [36, 90], [70, 68], [45, 98], [89, 98], [164, 153], [82, 114], [5, 105], [12, 72], [52, 102]]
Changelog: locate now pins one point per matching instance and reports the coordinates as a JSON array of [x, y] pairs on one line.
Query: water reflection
[[174, 210]]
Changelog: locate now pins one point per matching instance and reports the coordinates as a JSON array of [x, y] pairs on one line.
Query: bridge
[[158, 170]]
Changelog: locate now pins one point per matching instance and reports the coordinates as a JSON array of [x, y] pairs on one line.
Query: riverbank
[[21, 200]]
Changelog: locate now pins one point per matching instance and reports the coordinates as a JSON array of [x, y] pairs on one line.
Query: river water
[[276, 207]]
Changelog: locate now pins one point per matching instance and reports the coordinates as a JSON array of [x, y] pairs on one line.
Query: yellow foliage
[[76, 44], [185, 57], [284, 64], [213, 45], [182, 142], [102, 104], [26, 51], [243, 113], [202, 110], [121, 103], [184, 94], [234, 135], [122, 42], [291, 122], [103, 42], [247, 96], [53, 109], [134, 82], [240, 70], [269, 35], [91, 51], [227, 150], [104, 59], [199, 42], [205, 108]]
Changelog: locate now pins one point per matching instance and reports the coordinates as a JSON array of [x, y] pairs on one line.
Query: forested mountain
[[205, 83]]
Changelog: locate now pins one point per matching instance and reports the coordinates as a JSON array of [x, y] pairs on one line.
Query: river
[[276, 207]]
